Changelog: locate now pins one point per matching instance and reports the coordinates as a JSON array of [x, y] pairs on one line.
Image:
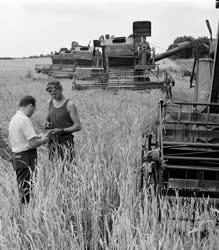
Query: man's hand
[[43, 138], [38, 140], [47, 125], [41, 135]]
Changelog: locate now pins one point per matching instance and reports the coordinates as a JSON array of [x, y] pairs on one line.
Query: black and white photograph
[[109, 124]]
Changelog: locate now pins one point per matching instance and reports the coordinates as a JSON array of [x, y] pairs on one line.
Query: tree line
[[200, 46]]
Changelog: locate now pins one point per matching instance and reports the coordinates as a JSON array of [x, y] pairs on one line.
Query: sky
[[34, 27]]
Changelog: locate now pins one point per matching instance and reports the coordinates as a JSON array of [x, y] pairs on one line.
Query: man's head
[[54, 88], [28, 105], [143, 38]]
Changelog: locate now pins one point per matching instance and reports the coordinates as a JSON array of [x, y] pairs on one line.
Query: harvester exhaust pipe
[[209, 28]]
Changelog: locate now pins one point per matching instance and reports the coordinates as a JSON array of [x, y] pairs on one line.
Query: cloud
[[67, 9], [39, 26], [104, 9]]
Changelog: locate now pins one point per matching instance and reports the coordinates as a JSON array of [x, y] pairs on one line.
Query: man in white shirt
[[24, 141]]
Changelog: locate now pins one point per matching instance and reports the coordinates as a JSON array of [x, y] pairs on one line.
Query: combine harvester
[[183, 155], [79, 60], [129, 62], [65, 63]]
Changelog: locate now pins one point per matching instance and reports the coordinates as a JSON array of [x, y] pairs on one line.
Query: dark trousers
[[168, 91], [61, 147], [24, 164]]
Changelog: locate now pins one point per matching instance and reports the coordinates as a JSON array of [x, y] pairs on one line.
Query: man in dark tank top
[[61, 122]]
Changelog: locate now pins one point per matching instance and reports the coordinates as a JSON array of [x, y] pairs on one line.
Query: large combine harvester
[[65, 63], [130, 62], [183, 153], [79, 60]]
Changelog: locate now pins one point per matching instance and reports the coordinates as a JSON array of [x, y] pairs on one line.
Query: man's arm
[[75, 118], [48, 119], [47, 122], [33, 139], [37, 141], [173, 82]]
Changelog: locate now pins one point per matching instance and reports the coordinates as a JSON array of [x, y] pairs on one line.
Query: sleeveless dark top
[[60, 117]]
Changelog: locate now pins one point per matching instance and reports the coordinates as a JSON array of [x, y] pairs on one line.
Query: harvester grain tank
[[182, 153], [119, 51]]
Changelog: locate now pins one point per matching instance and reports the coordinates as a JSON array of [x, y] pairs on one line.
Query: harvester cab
[[145, 69], [182, 154], [144, 55]]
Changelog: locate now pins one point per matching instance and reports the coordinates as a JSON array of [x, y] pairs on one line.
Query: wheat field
[[94, 203]]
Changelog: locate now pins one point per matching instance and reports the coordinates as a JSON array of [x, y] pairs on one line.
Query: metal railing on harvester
[[183, 154]]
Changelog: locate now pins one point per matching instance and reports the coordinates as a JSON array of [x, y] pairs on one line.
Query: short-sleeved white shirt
[[21, 130]]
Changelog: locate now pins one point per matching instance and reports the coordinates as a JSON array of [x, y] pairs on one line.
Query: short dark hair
[[26, 100], [54, 83]]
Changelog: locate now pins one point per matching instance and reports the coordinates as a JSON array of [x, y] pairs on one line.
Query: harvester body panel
[[190, 145], [84, 56], [119, 51], [203, 80]]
